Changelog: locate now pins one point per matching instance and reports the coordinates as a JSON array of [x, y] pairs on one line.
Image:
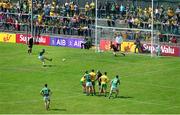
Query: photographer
[[86, 44], [138, 45]]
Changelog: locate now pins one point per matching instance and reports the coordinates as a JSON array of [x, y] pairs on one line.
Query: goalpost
[[107, 33]]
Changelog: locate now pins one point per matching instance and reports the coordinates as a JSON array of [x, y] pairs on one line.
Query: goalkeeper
[[115, 49]]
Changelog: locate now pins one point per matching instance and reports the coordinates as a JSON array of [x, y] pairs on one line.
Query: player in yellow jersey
[[104, 80], [93, 78], [83, 84]]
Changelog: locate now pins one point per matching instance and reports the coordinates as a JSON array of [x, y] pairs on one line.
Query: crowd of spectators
[[53, 17], [49, 17], [166, 18]]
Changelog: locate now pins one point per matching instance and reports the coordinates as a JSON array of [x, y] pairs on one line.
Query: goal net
[[149, 41]]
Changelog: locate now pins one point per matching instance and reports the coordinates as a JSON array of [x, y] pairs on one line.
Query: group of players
[[89, 79], [88, 82]]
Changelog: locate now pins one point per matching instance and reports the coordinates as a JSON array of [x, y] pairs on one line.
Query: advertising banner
[[7, 37], [125, 46], [105, 45], [39, 40], [128, 46], [67, 42], [165, 50]]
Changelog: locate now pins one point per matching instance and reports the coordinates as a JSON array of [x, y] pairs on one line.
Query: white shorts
[[41, 58], [88, 84], [46, 98], [114, 88]]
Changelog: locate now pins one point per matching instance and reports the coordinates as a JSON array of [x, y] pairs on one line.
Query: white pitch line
[[173, 107], [11, 84]]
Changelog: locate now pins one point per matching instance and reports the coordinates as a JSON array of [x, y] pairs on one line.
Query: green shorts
[[82, 83], [93, 83], [104, 86]]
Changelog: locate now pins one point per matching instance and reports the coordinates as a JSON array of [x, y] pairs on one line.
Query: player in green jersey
[[43, 58], [46, 92], [114, 86], [88, 83]]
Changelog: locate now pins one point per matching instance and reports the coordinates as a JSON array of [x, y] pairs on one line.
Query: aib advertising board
[[67, 42], [39, 40]]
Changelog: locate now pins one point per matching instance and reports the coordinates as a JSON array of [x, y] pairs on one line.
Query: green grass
[[149, 85]]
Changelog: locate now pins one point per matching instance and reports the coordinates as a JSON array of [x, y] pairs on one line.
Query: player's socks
[[44, 65], [110, 96]]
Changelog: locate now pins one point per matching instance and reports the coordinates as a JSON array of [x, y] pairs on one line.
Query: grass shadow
[[124, 97], [56, 109], [48, 65]]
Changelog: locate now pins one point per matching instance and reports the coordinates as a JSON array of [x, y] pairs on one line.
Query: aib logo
[[7, 37]]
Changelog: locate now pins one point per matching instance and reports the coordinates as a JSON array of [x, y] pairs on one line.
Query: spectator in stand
[[113, 9], [157, 14], [71, 9], [87, 9], [107, 7], [100, 7], [67, 8], [76, 9], [173, 39], [122, 10], [92, 8]]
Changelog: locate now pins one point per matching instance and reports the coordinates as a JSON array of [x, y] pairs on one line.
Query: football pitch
[[148, 85]]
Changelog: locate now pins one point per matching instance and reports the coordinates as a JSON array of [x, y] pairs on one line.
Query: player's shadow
[[47, 65], [56, 109], [124, 97]]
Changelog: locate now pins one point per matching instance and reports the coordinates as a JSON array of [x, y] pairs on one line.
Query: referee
[[30, 45]]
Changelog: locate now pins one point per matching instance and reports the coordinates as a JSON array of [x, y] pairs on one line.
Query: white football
[[63, 59]]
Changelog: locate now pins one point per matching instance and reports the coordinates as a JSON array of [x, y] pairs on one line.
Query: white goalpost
[[152, 27], [96, 37]]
